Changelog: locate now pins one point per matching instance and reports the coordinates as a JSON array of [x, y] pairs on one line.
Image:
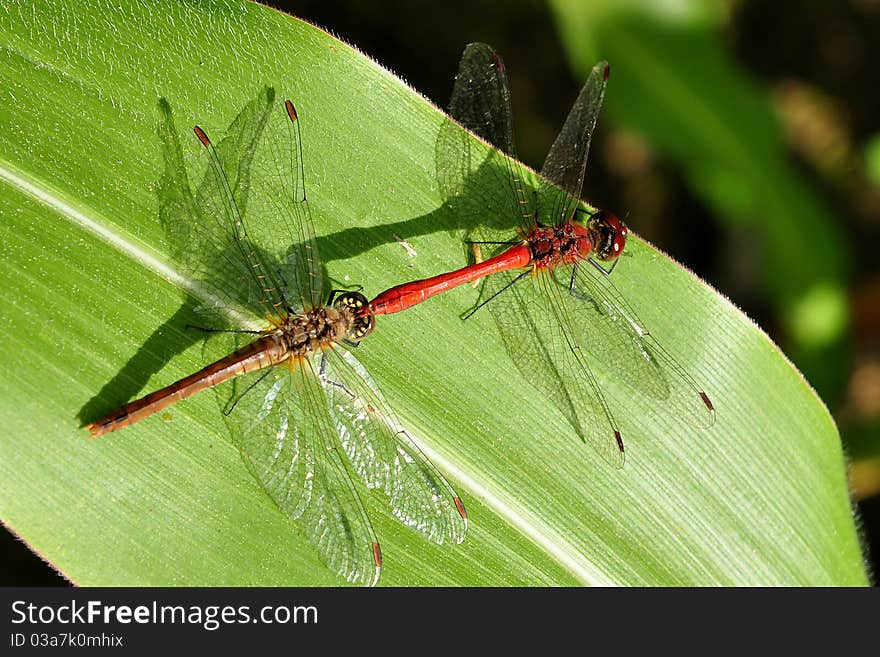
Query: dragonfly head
[[353, 304], [607, 235]]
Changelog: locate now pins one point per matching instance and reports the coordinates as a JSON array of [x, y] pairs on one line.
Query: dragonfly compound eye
[[354, 304], [607, 234]]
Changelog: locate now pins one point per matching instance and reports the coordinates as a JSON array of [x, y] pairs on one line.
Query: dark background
[[814, 63]]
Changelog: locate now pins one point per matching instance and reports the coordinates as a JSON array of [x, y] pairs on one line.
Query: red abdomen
[[407, 295]]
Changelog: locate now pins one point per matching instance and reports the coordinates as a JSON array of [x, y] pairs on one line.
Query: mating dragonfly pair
[[303, 412]]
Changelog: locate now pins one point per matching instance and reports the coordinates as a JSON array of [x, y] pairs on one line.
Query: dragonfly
[[305, 415], [549, 288]]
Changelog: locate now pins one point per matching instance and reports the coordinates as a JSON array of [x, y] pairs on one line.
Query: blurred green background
[[739, 137]]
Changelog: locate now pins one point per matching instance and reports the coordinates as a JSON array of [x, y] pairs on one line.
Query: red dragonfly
[[549, 289], [303, 411]]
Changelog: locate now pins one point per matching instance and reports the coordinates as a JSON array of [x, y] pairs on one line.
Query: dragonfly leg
[[470, 312], [602, 269], [573, 291], [230, 405], [322, 373]]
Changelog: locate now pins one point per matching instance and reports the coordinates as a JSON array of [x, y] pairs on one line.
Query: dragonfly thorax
[[554, 245], [315, 329]]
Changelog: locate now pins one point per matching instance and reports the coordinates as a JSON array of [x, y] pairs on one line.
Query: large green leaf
[[92, 317]]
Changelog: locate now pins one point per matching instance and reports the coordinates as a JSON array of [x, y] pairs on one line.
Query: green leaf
[[92, 317]]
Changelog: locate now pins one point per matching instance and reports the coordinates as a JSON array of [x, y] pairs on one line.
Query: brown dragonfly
[[303, 412]]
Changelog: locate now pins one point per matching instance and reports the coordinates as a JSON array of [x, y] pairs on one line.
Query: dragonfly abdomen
[[406, 295], [261, 353]]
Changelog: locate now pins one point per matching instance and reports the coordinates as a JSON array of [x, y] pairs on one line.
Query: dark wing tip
[[498, 61], [621, 449], [709, 407], [707, 401], [460, 506], [291, 110], [377, 556], [607, 71], [202, 136]]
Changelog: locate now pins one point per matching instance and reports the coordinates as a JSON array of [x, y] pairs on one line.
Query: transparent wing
[[481, 98], [269, 425], [566, 163], [385, 457], [481, 103], [338, 527], [246, 233], [614, 334], [203, 229], [281, 425], [474, 183], [278, 210], [529, 314]]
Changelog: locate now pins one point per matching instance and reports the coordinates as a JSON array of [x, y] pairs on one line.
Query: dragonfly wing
[[620, 339], [269, 425], [278, 209], [481, 98], [281, 425], [385, 457], [566, 163], [475, 184], [529, 316], [483, 186], [202, 228], [338, 525]]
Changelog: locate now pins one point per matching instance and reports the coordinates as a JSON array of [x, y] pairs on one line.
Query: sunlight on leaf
[[93, 318]]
